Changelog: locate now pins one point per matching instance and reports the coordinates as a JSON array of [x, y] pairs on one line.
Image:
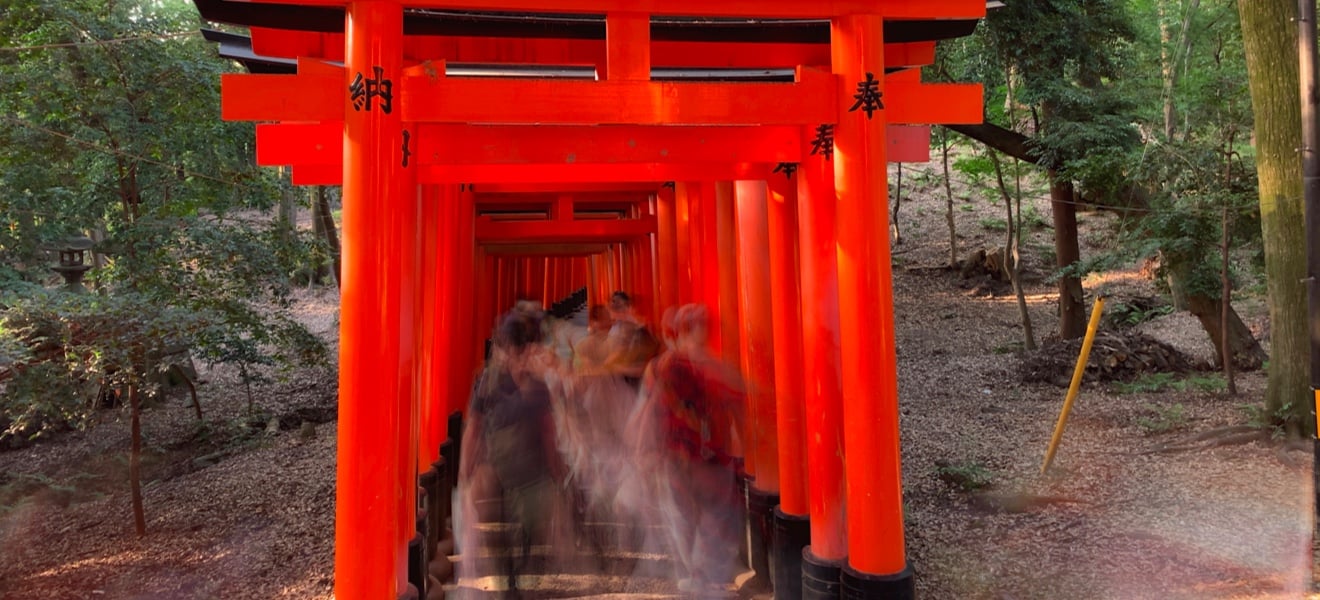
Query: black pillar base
[[435, 502], [864, 586], [760, 520], [743, 478], [820, 577], [792, 533], [417, 571], [455, 430]]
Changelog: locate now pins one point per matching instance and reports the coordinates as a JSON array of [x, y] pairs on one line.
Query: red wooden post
[[876, 554], [372, 410], [683, 255], [431, 358], [787, 328], [457, 331], [726, 238], [695, 193], [820, 338], [791, 527], [757, 343], [593, 286], [706, 230]]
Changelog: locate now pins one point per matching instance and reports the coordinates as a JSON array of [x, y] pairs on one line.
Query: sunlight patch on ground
[[1049, 298]]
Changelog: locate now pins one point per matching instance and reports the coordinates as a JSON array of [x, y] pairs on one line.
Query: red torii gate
[[383, 124]]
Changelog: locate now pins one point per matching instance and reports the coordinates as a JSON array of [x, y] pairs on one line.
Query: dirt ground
[[244, 510]]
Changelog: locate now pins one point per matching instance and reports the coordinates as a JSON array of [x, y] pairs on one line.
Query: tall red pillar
[[683, 256], [726, 237], [822, 364], [374, 411], [758, 364], [877, 558], [791, 527], [432, 355]]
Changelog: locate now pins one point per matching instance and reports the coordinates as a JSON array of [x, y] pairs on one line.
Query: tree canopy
[[110, 127]]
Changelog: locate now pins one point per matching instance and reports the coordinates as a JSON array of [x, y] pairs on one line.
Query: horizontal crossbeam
[[322, 143], [430, 99], [788, 9], [543, 250], [551, 175], [276, 43], [563, 231], [438, 99]]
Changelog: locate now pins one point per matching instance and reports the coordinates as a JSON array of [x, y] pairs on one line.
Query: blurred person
[[631, 344], [510, 455], [696, 405], [591, 352]]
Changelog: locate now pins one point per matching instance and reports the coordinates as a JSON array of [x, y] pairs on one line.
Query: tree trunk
[[328, 225], [948, 199], [1210, 311], [1007, 141], [135, 460], [1011, 255], [1072, 311], [321, 270], [898, 201], [1166, 67], [1270, 38]]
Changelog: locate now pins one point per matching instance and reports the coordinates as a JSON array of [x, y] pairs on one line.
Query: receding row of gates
[[725, 152]]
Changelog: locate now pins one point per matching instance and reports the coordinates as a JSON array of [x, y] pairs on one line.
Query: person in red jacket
[[697, 408]]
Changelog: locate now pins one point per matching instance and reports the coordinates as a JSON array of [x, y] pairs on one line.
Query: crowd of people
[[571, 427]]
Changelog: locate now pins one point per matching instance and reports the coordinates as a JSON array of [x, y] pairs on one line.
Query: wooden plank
[[580, 189], [795, 9], [627, 47], [246, 97], [300, 143], [907, 143], [606, 144], [317, 175], [809, 101], [914, 103], [276, 43], [518, 249], [556, 174], [653, 175], [561, 232]]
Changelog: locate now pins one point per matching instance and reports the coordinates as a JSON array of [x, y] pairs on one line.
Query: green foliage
[[1194, 187], [1162, 419], [1278, 422], [1032, 219], [976, 166], [1125, 314], [1152, 383], [968, 476], [994, 224], [123, 142], [69, 348], [1067, 59]]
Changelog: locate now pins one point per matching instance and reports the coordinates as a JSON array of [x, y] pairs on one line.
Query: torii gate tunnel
[[729, 152]]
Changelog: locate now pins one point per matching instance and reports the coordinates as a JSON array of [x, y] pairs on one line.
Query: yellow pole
[[1076, 382]]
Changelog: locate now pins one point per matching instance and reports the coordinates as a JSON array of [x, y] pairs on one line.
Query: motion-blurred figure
[[591, 352], [510, 453], [631, 345], [696, 405]]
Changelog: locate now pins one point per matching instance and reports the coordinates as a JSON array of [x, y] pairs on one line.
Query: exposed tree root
[[1232, 435]]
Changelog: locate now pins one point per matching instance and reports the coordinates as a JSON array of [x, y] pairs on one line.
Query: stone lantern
[[73, 263]]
